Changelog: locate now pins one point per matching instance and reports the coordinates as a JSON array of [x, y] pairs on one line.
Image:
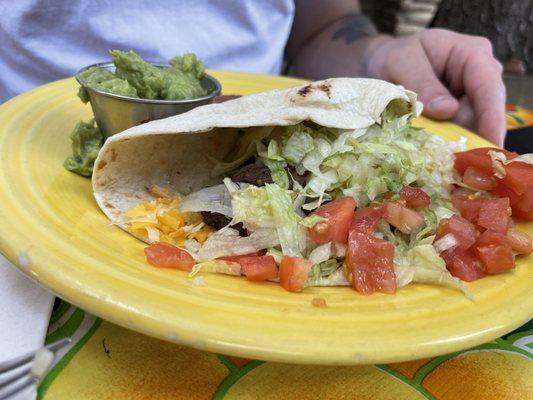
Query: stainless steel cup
[[114, 113]]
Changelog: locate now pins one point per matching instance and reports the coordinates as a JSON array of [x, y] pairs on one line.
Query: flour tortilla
[[180, 151]]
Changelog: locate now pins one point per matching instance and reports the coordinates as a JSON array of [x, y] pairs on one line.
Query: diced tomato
[[478, 158], [414, 196], [293, 273], [366, 219], [523, 208], [468, 208], [165, 255], [465, 159], [520, 241], [490, 237], [370, 261], [403, 218], [478, 179], [503, 191], [258, 268], [339, 214], [237, 258], [487, 213], [463, 265], [518, 177], [494, 214], [463, 230], [494, 252]]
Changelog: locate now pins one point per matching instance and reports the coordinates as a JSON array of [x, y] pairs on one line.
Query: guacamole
[[135, 77], [86, 143], [106, 81]]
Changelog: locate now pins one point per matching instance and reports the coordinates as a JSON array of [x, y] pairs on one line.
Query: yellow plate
[[52, 229]]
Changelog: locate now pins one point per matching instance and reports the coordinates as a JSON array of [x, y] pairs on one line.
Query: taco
[[322, 184]]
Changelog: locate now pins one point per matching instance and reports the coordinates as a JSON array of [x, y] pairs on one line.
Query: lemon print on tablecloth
[[136, 367], [468, 376], [286, 381]]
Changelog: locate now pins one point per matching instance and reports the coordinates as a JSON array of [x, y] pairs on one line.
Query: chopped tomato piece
[[338, 214], [478, 158], [463, 265], [487, 213], [403, 218], [478, 179], [258, 268], [518, 177], [526, 201], [165, 255], [366, 219], [237, 258], [414, 196], [370, 262], [522, 205], [463, 230], [468, 208], [494, 214], [293, 273], [495, 254], [520, 241], [503, 191]]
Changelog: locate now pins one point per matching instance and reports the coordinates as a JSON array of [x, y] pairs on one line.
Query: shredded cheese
[[160, 220]]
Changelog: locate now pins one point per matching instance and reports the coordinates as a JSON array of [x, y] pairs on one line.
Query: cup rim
[[214, 93]]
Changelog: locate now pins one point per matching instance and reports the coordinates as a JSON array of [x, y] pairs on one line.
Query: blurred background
[[507, 23]]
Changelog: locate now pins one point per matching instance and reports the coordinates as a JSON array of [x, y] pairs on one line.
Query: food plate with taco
[[315, 224]]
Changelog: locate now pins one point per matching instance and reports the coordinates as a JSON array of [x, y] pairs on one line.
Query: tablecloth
[[110, 362], [106, 361]]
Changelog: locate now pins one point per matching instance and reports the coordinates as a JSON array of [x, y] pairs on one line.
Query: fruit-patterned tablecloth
[[106, 361], [110, 362]]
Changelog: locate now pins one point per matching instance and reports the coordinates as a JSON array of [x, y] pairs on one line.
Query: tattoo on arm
[[354, 27]]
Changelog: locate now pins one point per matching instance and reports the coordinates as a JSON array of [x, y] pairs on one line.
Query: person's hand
[[456, 77]]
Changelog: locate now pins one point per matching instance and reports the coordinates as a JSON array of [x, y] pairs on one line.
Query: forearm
[[340, 49]]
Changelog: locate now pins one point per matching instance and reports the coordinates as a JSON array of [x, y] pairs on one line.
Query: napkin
[[25, 310]]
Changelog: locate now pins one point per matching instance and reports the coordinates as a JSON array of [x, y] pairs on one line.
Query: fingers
[[484, 87], [409, 66], [465, 116], [466, 63]]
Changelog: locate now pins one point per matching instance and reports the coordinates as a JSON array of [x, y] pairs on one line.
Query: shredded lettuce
[[277, 254], [214, 199], [335, 278], [246, 149], [296, 146], [252, 207], [322, 270], [320, 253], [216, 266], [311, 220], [364, 163], [423, 264], [227, 242], [367, 164], [292, 235], [271, 207]]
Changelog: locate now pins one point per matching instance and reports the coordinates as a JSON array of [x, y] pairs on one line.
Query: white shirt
[[45, 40]]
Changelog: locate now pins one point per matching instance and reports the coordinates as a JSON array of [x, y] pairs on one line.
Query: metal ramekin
[[114, 113]]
